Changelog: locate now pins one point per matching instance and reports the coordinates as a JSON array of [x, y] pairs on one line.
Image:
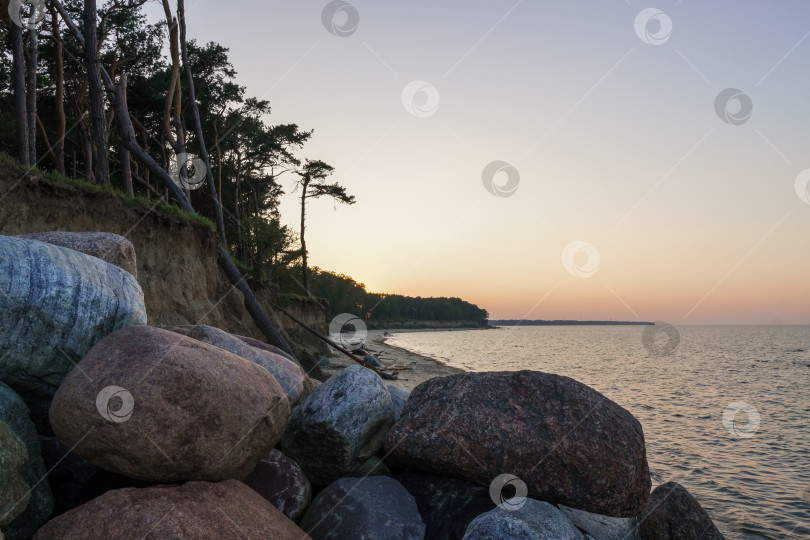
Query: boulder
[[108, 247], [266, 347], [673, 514], [288, 374], [14, 492], [55, 304], [372, 360], [447, 505], [364, 509], [340, 425], [281, 481], [400, 398], [569, 444], [536, 520], [74, 481], [373, 466], [602, 527], [14, 412], [157, 406], [227, 509]]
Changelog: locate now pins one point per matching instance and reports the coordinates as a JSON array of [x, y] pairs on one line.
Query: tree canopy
[[57, 97]]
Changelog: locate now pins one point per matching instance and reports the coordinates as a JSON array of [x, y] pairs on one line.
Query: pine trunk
[[59, 97], [304, 268], [18, 55], [31, 95], [95, 94]]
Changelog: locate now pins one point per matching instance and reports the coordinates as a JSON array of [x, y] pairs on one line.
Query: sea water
[[725, 410]]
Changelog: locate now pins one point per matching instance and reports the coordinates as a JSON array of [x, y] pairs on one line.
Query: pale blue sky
[[616, 140]]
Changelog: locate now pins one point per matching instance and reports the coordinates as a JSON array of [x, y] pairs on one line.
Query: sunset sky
[[610, 117]]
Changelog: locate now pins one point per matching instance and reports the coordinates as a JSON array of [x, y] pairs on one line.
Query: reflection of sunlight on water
[[753, 488]]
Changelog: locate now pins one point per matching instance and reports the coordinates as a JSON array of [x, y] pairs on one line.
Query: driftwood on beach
[[331, 343]]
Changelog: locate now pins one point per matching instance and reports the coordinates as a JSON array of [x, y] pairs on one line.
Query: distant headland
[[518, 322]]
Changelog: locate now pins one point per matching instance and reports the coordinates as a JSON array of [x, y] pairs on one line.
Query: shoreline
[[425, 367]]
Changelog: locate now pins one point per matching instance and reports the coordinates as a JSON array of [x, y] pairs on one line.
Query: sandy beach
[[424, 367]]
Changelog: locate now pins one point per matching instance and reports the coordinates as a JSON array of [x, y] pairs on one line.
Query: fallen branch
[[337, 347]]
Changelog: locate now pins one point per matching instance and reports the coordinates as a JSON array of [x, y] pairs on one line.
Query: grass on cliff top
[[169, 210]]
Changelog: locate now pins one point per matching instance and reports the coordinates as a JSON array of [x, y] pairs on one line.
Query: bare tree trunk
[[87, 149], [174, 102], [216, 201], [31, 95], [127, 134], [219, 165], [126, 171], [59, 97], [18, 54], [236, 214], [96, 93], [304, 269], [48, 147]]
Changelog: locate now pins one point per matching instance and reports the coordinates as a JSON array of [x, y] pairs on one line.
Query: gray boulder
[[14, 412], [672, 513], [377, 507], [14, 492], [400, 398], [266, 347], [602, 527], [106, 246], [55, 304], [372, 360], [447, 505], [340, 425], [289, 375], [536, 520]]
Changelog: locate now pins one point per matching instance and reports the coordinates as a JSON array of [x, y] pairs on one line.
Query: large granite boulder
[[673, 514], [55, 304], [447, 505], [14, 412], [14, 491], [601, 527], [74, 481], [569, 444], [372, 508], [399, 397], [536, 520], [281, 481], [108, 247], [227, 509], [340, 425], [154, 405], [290, 376]]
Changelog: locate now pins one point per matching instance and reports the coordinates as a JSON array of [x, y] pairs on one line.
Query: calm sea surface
[[749, 470]]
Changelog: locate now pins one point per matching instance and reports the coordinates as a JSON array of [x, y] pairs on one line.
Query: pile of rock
[[190, 431]]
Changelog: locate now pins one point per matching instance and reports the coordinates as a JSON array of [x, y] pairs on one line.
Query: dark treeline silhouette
[[97, 93], [67, 124], [345, 295]]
